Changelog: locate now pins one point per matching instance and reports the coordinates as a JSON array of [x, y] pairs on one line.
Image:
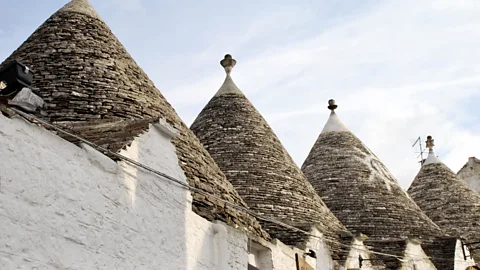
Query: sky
[[397, 69]]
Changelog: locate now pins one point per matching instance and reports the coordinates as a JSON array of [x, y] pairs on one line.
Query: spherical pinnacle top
[[228, 63], [331, 105]]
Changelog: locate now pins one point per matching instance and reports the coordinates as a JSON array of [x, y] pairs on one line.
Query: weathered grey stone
[[74, 51], [256, 163], [393, 247], [361, 192], [441, 250], [448, 201]]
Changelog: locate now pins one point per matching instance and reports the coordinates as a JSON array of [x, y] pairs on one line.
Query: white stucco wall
[[324, 260], [358, 249], [282, 257], [69, 207], [460, 262], [260, 256], [415, 258], [64, 207], [277, 256]]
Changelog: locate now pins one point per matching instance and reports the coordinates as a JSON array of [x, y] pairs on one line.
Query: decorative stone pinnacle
[[331, 105], [228, 63], [430, 143]]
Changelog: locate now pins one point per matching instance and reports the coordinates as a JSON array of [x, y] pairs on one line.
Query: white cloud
[[400, 71]]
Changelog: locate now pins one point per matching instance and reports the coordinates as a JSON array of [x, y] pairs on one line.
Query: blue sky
[[398, 69]]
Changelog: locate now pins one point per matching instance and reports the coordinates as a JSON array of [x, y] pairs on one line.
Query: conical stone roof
[[359, 189], [447, 200], [88, 79], [256, 163]]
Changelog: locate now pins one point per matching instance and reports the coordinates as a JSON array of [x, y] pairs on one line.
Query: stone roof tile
[[361, 192], [261, 170], [441, 250], [448, 201], [395, 247]]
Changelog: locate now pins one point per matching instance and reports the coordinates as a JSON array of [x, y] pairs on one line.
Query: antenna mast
[[419, 142]]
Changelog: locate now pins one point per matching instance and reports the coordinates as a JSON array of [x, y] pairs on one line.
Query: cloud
[[399, 71]]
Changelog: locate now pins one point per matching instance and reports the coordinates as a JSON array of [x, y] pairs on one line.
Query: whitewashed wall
[[277, 256], [460, 262], [282, 257], [66, 207], [359, 249], [415, 258]]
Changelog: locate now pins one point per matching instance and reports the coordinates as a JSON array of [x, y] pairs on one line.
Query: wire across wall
[[181, 183]]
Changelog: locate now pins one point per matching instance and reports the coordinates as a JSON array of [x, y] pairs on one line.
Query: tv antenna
[[422, 151]]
